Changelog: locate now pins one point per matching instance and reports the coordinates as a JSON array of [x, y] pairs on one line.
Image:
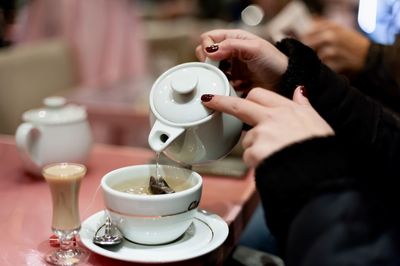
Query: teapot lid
[[55, 111], [175, 96]]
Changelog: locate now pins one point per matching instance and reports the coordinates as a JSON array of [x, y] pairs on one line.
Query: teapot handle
[[211, 62], [23, 139], [161, 135]]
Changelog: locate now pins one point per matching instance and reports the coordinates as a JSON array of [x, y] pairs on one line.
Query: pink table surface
[[25, 204]]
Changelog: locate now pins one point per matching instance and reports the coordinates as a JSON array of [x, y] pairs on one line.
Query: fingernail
[[212, 48], [206, 97], [303, 90]]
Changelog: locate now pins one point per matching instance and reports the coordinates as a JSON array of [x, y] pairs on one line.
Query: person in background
[[325, 161], [342, 12], [370, 66], [341, 48], [106, 37], [8, 11]]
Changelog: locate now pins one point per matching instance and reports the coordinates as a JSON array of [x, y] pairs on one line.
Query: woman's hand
[[342, 49], [277, 121], [248, 60]]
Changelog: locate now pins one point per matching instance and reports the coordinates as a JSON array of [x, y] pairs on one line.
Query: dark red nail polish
[[206, 97], [303, 90], [212, 48]]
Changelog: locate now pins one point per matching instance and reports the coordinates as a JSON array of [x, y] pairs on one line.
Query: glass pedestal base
[[68, 257]]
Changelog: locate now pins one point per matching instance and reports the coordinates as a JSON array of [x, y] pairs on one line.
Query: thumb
[[299, 96]]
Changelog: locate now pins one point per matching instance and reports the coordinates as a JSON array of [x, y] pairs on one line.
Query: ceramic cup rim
[[130, 196]]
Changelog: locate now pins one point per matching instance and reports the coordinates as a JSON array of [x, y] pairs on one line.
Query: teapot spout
[[161, 136]]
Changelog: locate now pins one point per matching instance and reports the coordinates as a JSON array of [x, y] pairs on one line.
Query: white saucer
[[207, 232]]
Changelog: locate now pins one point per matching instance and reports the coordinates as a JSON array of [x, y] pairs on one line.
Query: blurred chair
[[28, 74]]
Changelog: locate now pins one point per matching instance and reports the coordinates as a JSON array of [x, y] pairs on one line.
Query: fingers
[[299, 96], [248, 157], [319, 39], [245, 110], [227, 42], [253, 155], [248, 139], [252, 109], [322, 34], [327, 52], [217, 36], [200, 54], [254, 147], [267, 98], [244, 50], [258, 96]]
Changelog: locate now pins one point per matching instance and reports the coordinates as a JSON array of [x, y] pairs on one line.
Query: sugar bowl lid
[[175, 95], [55, 111]]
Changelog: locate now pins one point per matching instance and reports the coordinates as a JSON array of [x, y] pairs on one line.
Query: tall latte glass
[[64, 180]]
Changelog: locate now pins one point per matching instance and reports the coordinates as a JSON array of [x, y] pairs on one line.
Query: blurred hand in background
[[341, 48]]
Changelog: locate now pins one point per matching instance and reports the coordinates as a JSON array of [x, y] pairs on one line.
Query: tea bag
[[159, 186]]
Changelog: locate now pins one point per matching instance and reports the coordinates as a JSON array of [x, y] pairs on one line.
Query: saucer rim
[[219, 230]]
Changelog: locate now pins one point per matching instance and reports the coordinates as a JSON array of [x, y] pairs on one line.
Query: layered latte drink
[[64, 181]]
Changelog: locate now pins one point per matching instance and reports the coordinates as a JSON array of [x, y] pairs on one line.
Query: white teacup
[[152, 219]]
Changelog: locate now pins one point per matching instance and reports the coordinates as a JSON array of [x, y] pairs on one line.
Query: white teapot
[[182, 127], [55, 133]]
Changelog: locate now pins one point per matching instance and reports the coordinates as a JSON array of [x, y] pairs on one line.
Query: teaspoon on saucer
[[111, 236]]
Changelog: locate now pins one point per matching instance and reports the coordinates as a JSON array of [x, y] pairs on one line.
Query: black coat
[[380, 76], [335, 200]]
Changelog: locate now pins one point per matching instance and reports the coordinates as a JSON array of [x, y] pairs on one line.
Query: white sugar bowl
[[58, 132], [182, 127]]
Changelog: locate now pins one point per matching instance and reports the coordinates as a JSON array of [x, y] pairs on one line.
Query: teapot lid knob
[[55, 111], [183, 82], [54, 102]]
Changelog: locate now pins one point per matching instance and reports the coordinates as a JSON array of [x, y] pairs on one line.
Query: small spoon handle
[[107, 229]]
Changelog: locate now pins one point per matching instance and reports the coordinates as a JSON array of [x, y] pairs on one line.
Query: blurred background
[[106, 54]]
